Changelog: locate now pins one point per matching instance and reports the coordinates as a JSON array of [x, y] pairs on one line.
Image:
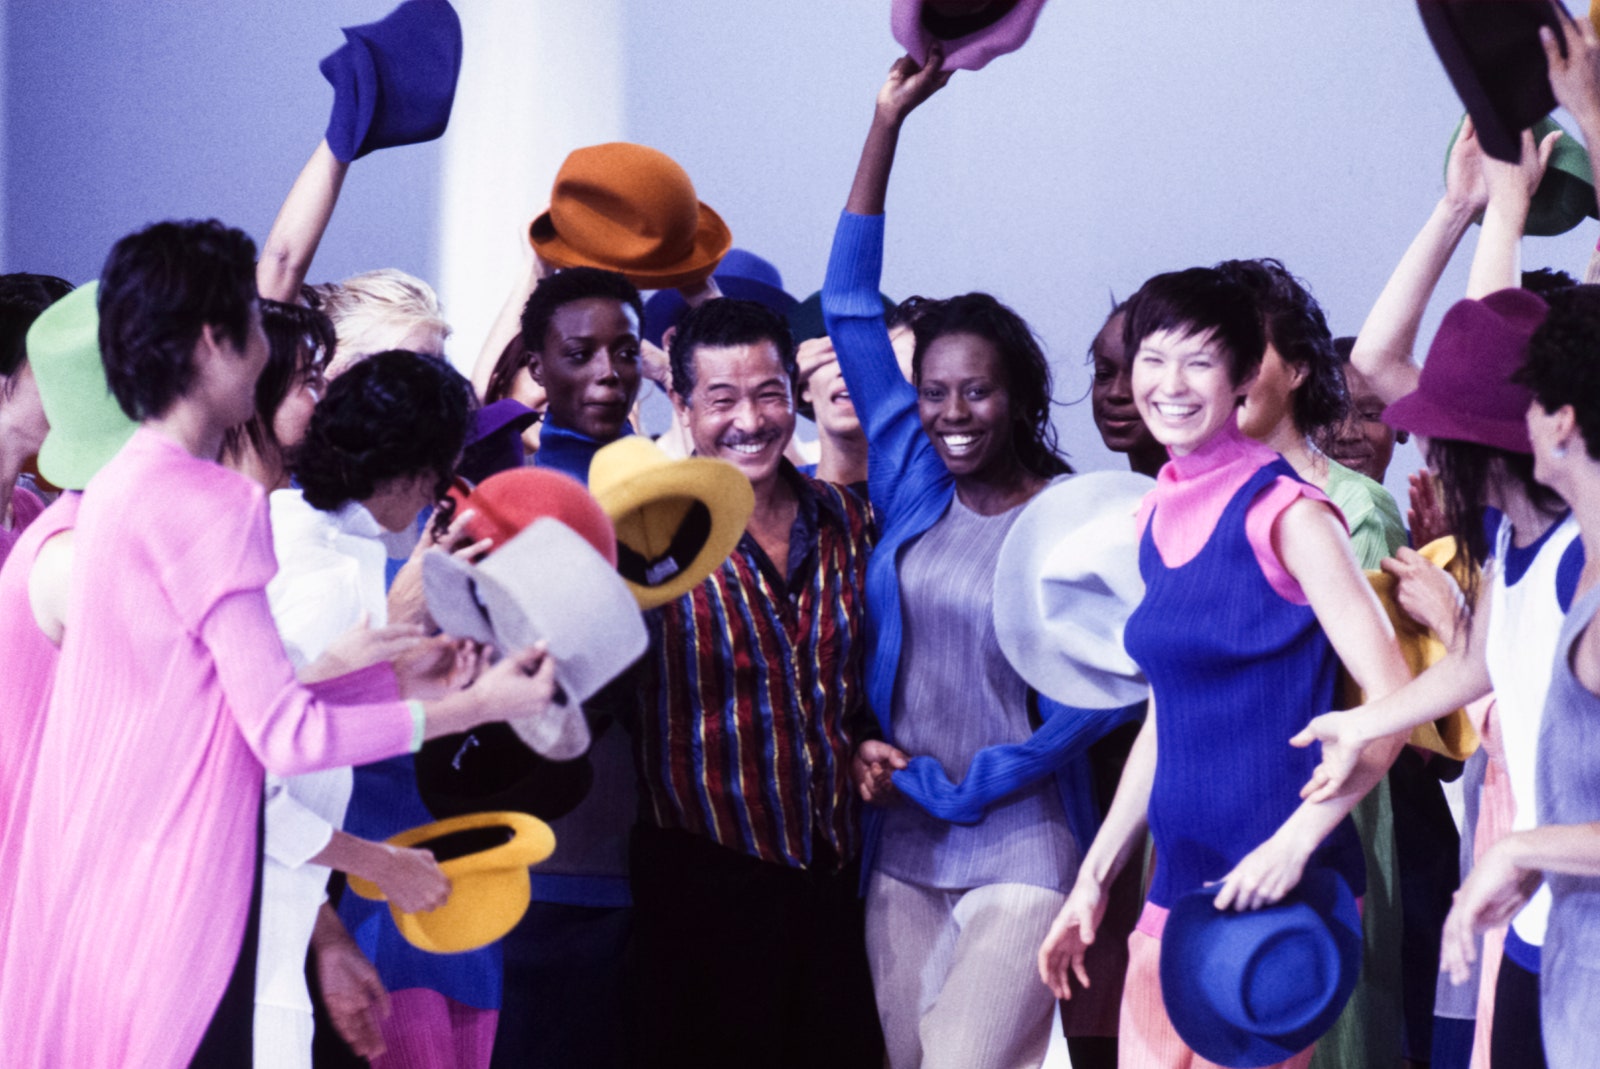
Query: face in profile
[[1183, 387], [1270, 403], [741, 408], [965, 405], [588, 364], [1116, 417]]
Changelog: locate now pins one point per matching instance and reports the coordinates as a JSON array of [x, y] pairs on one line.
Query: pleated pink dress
[[138, 844]]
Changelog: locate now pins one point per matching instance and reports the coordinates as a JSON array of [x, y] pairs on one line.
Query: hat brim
[[972, 51], [1182, 969], [69, 461], [1073, 653], [1419, 414], [721, 487], [712, 240]]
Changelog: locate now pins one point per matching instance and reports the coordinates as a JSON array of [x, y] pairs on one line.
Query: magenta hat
[[973, 32], [1466, 392]]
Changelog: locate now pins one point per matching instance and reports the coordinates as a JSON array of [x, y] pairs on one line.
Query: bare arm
[[1384, 350], [1497, 262], [297, 231], [907, 86], [1061, 956], [508, 321], [1314, 548], [410, 879], [1575, 77]]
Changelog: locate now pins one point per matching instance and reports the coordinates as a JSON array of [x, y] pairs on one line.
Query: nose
[[955, 408], [609, 373], [748, 415]]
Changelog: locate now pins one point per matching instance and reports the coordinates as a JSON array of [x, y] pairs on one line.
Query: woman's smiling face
[[965, 406], [1183, 387]]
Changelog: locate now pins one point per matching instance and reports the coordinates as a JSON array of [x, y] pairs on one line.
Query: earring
[[1558, 451]]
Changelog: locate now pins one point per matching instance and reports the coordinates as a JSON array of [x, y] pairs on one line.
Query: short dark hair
[[1298, 330], [722, 322], [393, 415], [1027, 371], [566, 286], [1547, 281], [22, 297], [300, 343], [159, 288], [1561, 367], [1199, 300]]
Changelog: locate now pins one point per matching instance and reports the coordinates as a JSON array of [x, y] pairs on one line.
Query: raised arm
[[1575, 77], [297, 231], [1497, 262], [508, 321], [1384, 349]]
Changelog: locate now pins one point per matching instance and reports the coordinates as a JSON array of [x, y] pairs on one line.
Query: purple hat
[[972, 32], [495, 444], [741, 274], [1466, 392], [394, 80]]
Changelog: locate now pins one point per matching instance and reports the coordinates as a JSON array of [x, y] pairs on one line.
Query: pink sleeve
[[365, 686], [1259, 522], [287, 726]]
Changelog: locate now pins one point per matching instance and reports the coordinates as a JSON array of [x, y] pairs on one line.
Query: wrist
[[1458, 212]]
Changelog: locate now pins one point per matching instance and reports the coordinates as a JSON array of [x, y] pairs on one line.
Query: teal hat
[[1566, 194], [87, 426]]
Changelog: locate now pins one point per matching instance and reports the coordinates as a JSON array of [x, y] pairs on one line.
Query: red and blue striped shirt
[[754, 695]]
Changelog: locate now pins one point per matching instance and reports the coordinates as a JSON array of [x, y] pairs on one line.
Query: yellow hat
[[676, 520], [1453, 734], [486, 856]]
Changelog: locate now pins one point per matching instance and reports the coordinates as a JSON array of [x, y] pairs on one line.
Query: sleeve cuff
[[419, 723]]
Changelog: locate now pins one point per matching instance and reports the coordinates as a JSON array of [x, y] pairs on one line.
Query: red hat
[[509, 501], [1465, 392]]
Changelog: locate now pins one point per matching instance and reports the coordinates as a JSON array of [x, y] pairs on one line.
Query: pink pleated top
[[138, 844]]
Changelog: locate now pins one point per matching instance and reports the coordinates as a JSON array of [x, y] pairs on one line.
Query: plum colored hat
[[973, 33], [1492, 55], [394, 80], [495, 444], [1566, 193], [1066, 581], [676, 520], [741, 274], [1252, 988], [87, 425], [630, 209], [550, 577], [486, 856], [1465, 391], [1452, 735]]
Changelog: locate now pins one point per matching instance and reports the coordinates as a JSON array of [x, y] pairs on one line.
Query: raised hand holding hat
[[394, 80]]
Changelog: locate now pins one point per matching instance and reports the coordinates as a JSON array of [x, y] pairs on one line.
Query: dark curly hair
[[159, 288], [566, 286], [300, 345], [722, 322], [1199, 300], [1547, 281], [1027, 371], [393, 415], [1299, 332], [1561, 366], [22, 297]]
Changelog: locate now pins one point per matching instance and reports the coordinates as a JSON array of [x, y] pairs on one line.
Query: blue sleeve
[[884, 401], [1567, 572]]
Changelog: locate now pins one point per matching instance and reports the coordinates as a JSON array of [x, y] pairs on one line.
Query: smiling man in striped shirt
[[745, 864]]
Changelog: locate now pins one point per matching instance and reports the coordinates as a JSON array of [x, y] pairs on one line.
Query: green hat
[[1566, 194], [87, 426]]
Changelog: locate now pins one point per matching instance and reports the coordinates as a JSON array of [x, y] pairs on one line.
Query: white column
[[539, 78]]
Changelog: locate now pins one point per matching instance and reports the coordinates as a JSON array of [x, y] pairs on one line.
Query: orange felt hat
[[633, 210]]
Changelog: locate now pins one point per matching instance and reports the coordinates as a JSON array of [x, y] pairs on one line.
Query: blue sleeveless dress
[[1235, 670]]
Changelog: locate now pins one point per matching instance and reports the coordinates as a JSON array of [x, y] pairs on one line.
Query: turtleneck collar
[[568, 451]]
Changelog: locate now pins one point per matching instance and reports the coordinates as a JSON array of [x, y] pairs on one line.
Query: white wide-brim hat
[[546, 584], [1065, 584]]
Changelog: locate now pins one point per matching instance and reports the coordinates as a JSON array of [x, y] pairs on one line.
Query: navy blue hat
[[1247, 989], [495, 444], [741, 274], [394, 80]]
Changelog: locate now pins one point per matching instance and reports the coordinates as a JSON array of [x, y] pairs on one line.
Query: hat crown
[[624, 459], [87, 424], [510, 501], [1479, 345], [625, 203]]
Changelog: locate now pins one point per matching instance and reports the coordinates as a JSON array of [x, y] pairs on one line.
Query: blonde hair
[[371, 312]]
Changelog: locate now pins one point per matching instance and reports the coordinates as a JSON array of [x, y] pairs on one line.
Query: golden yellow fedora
[[486, 856]]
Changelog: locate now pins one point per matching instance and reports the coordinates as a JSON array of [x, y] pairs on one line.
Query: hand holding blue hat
[[394, 80]]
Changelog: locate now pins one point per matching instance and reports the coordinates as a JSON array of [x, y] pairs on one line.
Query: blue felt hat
[[495, 444], [741, 274], [1246, 989], [394, 80]]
